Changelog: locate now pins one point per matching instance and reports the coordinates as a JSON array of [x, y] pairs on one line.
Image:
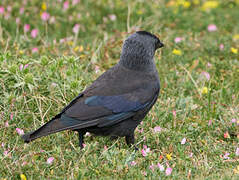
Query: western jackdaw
[[117, 101]]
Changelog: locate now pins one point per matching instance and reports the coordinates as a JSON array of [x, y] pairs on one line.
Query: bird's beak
[[159, 45]]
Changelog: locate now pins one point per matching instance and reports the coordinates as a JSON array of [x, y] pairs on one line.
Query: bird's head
[[139, 49]]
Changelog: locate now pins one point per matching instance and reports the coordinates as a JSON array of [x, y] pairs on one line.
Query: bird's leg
[[81, 138], [130, 141]]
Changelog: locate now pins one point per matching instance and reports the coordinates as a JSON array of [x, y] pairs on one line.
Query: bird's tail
[[50, 127]]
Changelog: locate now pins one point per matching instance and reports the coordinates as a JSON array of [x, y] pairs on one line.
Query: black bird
[[117, 101]]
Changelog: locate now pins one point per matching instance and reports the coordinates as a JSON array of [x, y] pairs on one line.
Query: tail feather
[[58, 124], [50, 127]]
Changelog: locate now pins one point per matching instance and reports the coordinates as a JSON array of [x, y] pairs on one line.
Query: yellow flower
[[234, 50], [70, 43], [186, 4], [21, 52], [81, 48], [82, 56], [43, 6], [139, 12], [23, 177], [196, 2], [76, 48], [209, 5], [169, 156], [204, 90], [177, 52], [236, 36]]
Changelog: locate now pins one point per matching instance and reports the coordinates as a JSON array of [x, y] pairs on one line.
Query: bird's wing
[[113, 97], [105, 111]]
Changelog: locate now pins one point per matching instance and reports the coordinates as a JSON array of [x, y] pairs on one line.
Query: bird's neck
[[134, 56]]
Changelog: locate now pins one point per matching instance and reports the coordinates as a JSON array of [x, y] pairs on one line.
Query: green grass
[[60, 70]]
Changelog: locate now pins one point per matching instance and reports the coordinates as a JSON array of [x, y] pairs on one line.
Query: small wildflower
[[221, 47], [21, 67], [207, 5], [157, 129], [209, 65], [236, 37], [76, 28], [81, 48], [177, 52], [74, 2], [212, 28], [226, 135], [66, 5], [45, 16], [178, 39], [34, 33], [11, 116], [145, 150], [25, 66], [21, 52], [183, 141], [226, 156], [204, 90], [42, 151], [34, 50], [97, 69], [161, 157], [5, 152], [26, 28], [168, 171], [174, 113], [76, 48], [169, 156], [161, 167], [237, 151], [233, 120], [23, 177], [133, 163], [50, 160], [24, 163], [186, 4], [19, 131], [43, 6], [9, 8], [21, 11], [206, 75], [1, 9], [6, 124], [112, 17], [84, 145], [234, 50], [209, 122], [18, 20], [151, 167]]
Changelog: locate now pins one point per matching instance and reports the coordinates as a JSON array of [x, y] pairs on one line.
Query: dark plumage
[[118, 100]]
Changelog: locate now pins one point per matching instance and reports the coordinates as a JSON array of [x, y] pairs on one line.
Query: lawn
[[52, 50]]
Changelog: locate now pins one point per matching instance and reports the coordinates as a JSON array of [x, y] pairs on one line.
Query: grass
[[37, 85]]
